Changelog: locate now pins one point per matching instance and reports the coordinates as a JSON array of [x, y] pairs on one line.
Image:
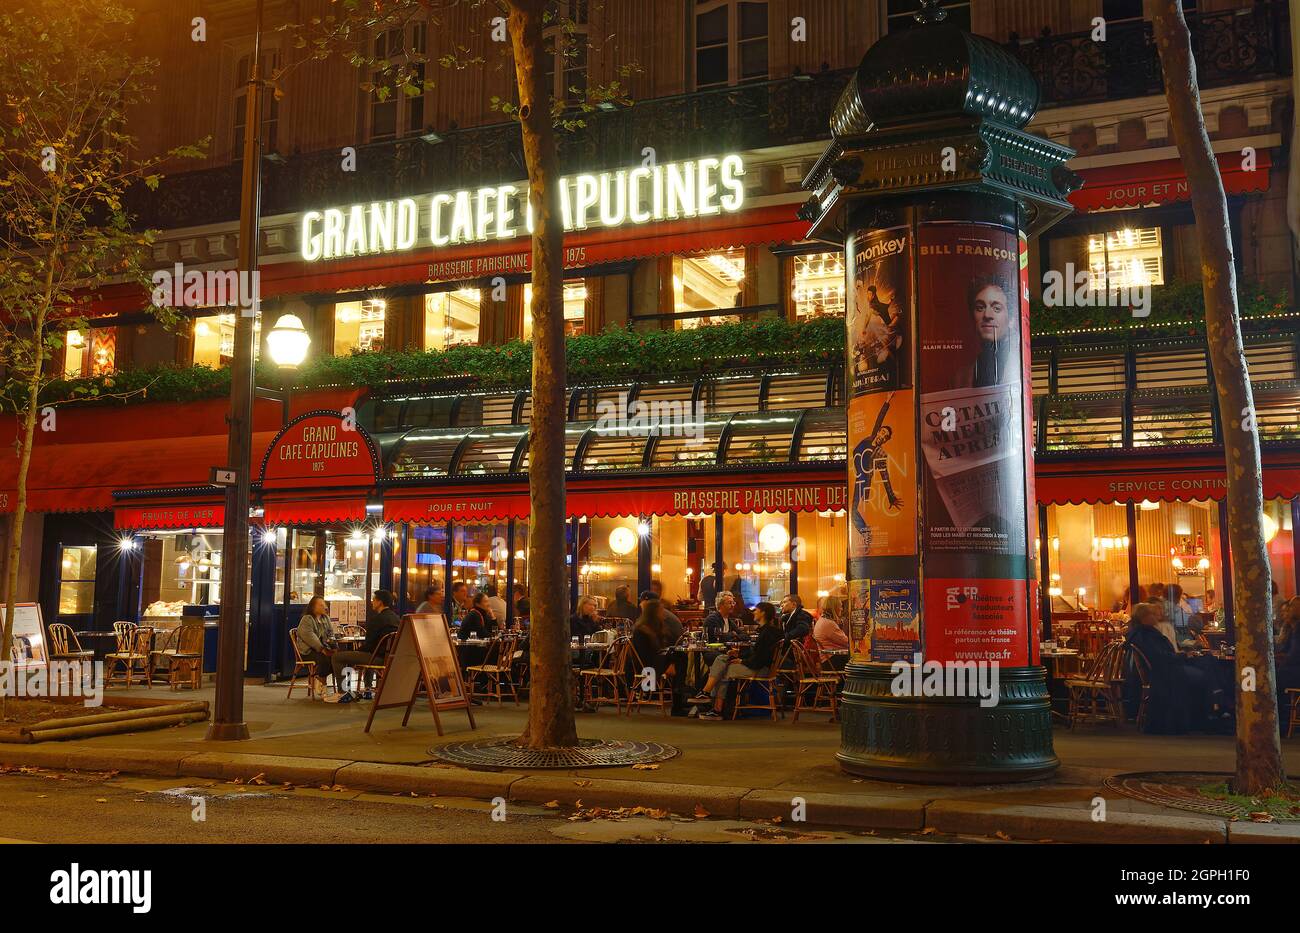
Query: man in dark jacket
[[796, 622], [755, 662], [383, 622], [722, 624]]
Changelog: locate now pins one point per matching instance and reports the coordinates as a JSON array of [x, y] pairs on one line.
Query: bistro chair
[[378, 660], [1097, 696], [162, 652], [187, 658], [661, 694], [132, 646], [608, 674], [496, 670], [1293, 695], [812, 677], [768, 681], [64, 645], [1091, 636], [301, 666]]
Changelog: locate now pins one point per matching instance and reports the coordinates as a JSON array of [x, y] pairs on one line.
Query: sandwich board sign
[[28, 645], [423, 656]]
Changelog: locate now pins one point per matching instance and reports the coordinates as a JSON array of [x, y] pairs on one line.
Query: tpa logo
[[957, 595], [105, 886]]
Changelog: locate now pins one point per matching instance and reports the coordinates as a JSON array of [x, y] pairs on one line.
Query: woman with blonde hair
[[830, 631]]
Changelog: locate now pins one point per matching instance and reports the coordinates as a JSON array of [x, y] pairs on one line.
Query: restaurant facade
[[729, 477]]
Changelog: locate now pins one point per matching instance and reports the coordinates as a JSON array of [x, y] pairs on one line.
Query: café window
[[91, 353], [270, 106], [820, 552], [566, 50], [900, 14], [730, 42], [1279, 538], [1089, 558], [214, 340], [1179, 543], [818, 285], [399, 55], [359, 326], [77, 579], [451, 318], [1124, 258], [575, 305], [708, 281]]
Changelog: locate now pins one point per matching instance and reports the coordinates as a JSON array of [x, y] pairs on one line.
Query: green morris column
[[932, 185]]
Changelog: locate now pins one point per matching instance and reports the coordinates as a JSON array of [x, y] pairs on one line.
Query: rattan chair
[[132, 646], [64, 645], [496, 670], [186, 658], [811, 677], [608, 674], [770, 681], [302, 666], [1293, 695], [378, 659], [1097, 696], [637, 696]]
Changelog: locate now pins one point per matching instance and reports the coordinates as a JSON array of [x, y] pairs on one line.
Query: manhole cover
[[1181, 789], [590, 753]]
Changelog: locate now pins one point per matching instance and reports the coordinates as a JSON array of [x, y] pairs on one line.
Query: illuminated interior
[[451, 318], [359, 325], [1124, 258], [818, 285], [708, 281], [575, 305]]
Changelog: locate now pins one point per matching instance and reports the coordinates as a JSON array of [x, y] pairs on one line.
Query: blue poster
[[895, 620]]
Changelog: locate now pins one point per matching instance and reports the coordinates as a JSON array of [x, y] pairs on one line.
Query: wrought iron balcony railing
[[1229, 45]]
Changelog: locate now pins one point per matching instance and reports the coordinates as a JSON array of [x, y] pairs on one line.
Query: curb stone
[[678, 798], [864, 811], [1062, 824], [444, 782], [275, 769], [1247, 833]]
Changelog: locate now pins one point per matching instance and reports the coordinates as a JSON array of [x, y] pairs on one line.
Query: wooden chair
[[496, 669], [662, 694], [64, 645], [1097, 696], [187, 658], [1293, 695], [770, 681], [608, 674], [1091, 636], [301, 666], [812, 676], [132, 646], [378, 658], [162, 652]]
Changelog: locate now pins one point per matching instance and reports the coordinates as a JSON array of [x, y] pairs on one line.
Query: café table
[[1061, 663], [99, 642]]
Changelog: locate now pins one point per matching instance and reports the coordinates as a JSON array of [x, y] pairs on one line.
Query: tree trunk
[[550, 696], [1259, 749], [20, 519]]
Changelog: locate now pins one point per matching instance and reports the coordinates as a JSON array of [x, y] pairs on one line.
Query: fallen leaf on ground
[[101, 800], [583, 783], [42, 795], [1262, 817], [644, 767], [1001, 835], [929, 831], [259, 778], [552, 804], [700, 812]]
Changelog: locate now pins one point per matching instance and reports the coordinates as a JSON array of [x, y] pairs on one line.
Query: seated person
[[649, 639], [723, 623], [1178, 699], [479, 622], [795, 619], [755, 662], [315, 635], [584, 623], [828, 630], [383, 622]]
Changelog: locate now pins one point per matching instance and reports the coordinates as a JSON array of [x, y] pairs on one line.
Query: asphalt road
[[53, 807]]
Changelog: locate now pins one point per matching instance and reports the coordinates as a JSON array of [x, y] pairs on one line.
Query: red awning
[[322, 510], [178, 513], [769, 225], [621, 496], [1169, 478], [1136, 184]]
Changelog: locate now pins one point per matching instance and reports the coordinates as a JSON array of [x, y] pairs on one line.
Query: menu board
[[28, 645], [423, 656]]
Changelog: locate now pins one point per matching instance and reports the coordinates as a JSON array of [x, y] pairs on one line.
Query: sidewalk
[[748, 769]]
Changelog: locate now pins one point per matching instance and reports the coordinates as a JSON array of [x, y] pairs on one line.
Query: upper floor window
[[818, 285], [270, 106], [1125, 257], [451, 318], [900, 14], [566, 49], [398, 53], [730, 42]]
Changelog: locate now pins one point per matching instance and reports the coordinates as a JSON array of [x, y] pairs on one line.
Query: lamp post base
[[227, 731], [943, 739]]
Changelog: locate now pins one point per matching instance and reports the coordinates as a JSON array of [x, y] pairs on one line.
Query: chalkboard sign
[[423, 658]]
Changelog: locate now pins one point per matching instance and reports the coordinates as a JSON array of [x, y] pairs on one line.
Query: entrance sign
[[422, 657], [635, 195], [320, 449]]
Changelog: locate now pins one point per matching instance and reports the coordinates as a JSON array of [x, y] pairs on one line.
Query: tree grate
[[1180, 789], [590, 753]]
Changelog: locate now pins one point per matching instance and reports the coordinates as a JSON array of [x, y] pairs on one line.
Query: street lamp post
[[228, 713]]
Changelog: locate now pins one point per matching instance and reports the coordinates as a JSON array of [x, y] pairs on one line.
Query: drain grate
[[590, 753], [1179, 789]]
